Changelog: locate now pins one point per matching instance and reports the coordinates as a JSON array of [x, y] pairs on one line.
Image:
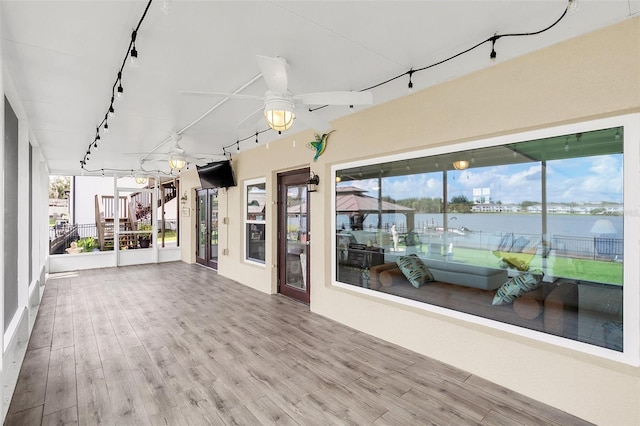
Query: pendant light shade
[[279, 114], [460, 164], [177, 162]]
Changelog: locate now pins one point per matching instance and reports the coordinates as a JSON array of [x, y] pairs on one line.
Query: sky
[[582, 180]]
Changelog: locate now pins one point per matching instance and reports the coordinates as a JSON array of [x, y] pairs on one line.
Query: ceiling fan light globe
[[278, 111], [177, 163], [141, 180], [279, 120]]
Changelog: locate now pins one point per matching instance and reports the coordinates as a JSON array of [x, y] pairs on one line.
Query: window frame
[[631, 269], [247, 222]]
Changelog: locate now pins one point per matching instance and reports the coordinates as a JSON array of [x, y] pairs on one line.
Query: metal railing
[[596, 248], [62, 235], [588, 247]]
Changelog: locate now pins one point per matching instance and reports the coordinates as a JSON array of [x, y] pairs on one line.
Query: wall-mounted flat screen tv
[[217, 175]]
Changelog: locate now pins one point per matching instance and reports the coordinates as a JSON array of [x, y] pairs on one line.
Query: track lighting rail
[[132, 51]]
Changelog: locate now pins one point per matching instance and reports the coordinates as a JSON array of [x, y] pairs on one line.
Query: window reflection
[[529, 233], [255, 220]]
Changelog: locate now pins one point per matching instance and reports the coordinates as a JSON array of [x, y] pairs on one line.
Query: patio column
[[2, 183], [543, 165], [380, 200], [445, 215], [411, 221]]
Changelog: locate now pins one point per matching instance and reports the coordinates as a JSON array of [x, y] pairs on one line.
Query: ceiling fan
[[177, 157], [279, 101]]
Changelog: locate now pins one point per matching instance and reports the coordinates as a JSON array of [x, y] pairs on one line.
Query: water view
[[558, 225]]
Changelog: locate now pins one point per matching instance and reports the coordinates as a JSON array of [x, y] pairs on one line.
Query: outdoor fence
[[591, 248], [62, 235], [597, 248]]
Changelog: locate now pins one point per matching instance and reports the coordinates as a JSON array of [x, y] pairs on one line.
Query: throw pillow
[[520, 262], [514, 288], [414, 270]]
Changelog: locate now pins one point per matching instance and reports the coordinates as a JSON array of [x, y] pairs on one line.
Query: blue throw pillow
[[414, 270]]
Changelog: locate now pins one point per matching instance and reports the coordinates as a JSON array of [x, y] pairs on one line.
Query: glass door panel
[[213, 226], [135, 219], [207, 228], [202, 228], [294, 235]]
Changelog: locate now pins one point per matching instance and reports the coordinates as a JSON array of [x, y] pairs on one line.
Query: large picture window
[[255, 219], [529, 233]]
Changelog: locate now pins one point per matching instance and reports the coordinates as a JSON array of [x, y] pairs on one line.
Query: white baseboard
[[16, 339]]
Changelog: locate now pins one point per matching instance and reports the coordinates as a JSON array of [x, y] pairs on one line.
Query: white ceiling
[[62, 58]]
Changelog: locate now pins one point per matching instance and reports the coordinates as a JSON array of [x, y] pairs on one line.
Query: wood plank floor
[[176, 344]]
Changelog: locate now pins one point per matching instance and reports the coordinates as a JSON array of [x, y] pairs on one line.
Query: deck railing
[[597, 248], [107, 207], [61, 236]]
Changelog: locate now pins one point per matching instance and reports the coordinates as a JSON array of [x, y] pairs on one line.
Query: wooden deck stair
[[168, 190], [105, 221], [127, 240], [133, 210]]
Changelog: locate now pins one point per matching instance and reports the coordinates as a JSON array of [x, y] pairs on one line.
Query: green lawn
[[588, 270], [579, 269], [169, 236]]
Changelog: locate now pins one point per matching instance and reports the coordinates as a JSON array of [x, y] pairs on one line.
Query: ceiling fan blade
[[274, 71], [138, 154], [336, 98], [311, 120], [201, 161], [207, 157], [222, 95], [250, 117]]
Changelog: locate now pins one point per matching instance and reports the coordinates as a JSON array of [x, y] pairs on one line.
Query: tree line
[[458, 204]]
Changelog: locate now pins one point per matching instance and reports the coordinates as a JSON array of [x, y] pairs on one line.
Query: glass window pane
[[528, 233], [255, 241], [255, 220], [256, 194]]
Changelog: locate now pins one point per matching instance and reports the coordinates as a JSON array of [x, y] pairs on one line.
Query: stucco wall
[[189, 181], [593, 76]]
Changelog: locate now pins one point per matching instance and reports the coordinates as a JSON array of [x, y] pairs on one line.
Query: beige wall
[[593, 76], [258, 163], [189, 182]]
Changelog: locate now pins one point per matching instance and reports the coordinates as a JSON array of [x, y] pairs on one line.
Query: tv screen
[[217, 175]]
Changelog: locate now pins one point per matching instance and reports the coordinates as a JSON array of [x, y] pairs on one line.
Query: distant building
[[591, 208], [553, 208], [496, 208], [482, 195]]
